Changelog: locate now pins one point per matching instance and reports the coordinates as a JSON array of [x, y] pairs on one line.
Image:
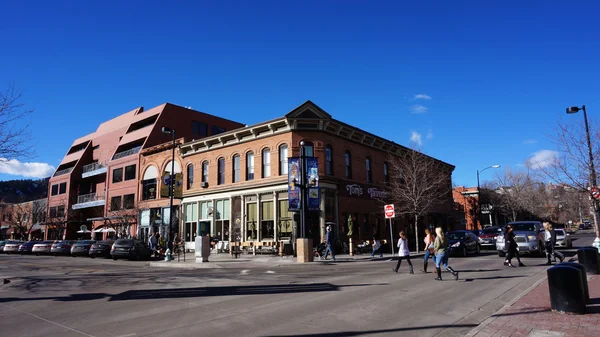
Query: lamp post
[[303, 205], [477, 224], [170, 131], [593, 181]]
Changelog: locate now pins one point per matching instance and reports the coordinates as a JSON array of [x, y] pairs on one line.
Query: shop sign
[[357, 190]]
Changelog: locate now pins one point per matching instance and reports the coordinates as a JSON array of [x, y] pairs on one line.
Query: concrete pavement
[[83, 297]]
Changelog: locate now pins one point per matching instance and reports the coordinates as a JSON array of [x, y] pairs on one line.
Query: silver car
[[529, 237], [12, 246], [563, 239], [43, 247]]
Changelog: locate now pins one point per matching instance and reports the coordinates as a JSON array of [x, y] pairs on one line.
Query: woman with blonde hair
[[442, 253], [428, 249], [550, 238]]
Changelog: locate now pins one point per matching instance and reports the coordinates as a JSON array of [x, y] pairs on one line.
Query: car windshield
[[559, 232], [490, 230], [456, 236], [523, 227], [85, 242]]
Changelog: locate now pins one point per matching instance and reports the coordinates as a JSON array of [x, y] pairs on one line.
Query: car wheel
[[114, 258], [501, 253]]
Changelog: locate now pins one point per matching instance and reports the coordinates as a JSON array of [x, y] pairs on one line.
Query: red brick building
[[236, 183], [97, 182], [466, 200]]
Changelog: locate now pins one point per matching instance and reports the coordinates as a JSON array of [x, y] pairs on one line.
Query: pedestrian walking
[[376, 248], [550, 240], [329, 243], [429, 240], [511, 246], [442, 254], [403, 253]]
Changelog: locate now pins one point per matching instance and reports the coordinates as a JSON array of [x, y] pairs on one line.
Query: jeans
[[377, 251], [441, 260], [429, 254], [328, 250]]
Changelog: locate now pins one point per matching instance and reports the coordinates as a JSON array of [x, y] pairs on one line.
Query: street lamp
[[572, 110], [477, 225], [170, 131]]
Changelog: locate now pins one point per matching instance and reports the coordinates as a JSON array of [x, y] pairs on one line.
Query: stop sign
[[389, 211]]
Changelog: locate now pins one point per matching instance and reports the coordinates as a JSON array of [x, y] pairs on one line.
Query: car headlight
[[530, 237]]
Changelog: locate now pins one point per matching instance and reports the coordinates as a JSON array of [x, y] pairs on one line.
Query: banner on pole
[[293, 182]]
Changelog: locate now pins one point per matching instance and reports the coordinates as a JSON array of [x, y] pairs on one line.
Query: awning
[[103, 230], [5, 227]]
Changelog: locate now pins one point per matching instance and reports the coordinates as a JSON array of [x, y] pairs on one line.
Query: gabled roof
[[308, 110]]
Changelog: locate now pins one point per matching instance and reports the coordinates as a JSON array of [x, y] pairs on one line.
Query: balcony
[[89, 200], [126, 153], [63, 172], [93, 169]]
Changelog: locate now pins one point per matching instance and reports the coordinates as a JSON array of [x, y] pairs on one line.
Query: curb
[[493, 317]]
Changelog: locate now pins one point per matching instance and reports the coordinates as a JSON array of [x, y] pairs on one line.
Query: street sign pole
[[391, 237], [390, 212]]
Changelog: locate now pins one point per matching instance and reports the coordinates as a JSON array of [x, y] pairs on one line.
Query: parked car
[[563, 239], [82, 248], [130, 248], [101, 248], [11, 246], [463, 242], [43, 247], [26, 247], [487, 239], [529, 237], [62, 247]]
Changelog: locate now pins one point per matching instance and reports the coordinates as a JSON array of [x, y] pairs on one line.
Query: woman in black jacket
[[511, 246]]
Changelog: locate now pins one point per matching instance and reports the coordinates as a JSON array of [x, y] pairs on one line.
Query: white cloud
[[415, 137], [422, 96], [429, 134], [418, 109], [32, 170], [543, 158], [530, 141]]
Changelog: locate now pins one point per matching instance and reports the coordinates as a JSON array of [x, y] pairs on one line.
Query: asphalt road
[[64, 296]]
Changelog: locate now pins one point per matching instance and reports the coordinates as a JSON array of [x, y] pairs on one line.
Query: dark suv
[[129, 248]]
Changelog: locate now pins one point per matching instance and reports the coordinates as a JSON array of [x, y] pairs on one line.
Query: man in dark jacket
[[329, 243]]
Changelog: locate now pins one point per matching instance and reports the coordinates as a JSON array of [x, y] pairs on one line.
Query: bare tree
[[59, 218], [517, 192], [418, 185], [570, 165], [14, 127], [26, 215]]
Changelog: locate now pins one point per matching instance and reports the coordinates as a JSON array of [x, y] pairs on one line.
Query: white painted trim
[[225, 195]]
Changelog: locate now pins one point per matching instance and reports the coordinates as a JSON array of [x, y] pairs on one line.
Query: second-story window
[[115, 203], [130, 172], [283, 159], [386, 174], [190, 176], [221, 170], [309, 149], [329, 160], [205, 171], [62, 189], [266, 163], [348, 163], [250, 166], [236, 168], [54, 190], [369, 174], [117, 175]]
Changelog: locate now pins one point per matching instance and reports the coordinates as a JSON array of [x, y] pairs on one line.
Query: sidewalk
[[531, 316], [224, 260]]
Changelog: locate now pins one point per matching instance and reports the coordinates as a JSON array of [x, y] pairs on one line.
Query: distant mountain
[[14, 191]]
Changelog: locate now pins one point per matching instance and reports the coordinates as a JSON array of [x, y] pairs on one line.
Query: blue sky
[[493, 78]]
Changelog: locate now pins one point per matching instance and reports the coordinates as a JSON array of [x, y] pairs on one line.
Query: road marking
[[51, 322], [270, 272], [245, 271], [129, 335]]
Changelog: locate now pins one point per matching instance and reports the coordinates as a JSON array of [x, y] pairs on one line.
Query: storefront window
[[206, 215], [190, 219], [251, 222], [284, 223], [267, 228], [222, 216]]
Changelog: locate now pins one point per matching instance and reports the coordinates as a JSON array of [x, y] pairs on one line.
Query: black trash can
[[583, 277], [567, 295], [589, 257]]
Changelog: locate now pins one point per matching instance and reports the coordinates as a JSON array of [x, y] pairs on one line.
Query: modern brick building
[[235, 184], [97, 181]]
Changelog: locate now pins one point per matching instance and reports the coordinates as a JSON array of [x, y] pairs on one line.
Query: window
[[309, 149], [215, 130], [283, 159], [149, 189], [266, 163], [221, 169], [236, 168], [117, 175], [369, 175], [284, 223], [128, 201], [348, 162], [54, 190], [190, 176], [130, 172], [199, 129], [251, 222], [60, 211], [115, 203], [329, 160], [62, 188], [250, 166], [205, 171], [386, 174], [267, 225]]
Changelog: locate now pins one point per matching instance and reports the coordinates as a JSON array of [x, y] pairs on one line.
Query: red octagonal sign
[[389, 211]]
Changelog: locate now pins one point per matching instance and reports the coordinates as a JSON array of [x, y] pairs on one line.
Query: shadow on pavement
[[477, 270], [471, 279], [523, 312], [374, 332]]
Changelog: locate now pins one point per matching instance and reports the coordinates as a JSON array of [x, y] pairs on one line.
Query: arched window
[[221, 170], [283, 159], [205, 171], [190, 176], [309, 149], [149, 183], [236, 168], [348, 163], [386, 173], [266, 163], [369, 174], [250, 166], [329, 160]]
